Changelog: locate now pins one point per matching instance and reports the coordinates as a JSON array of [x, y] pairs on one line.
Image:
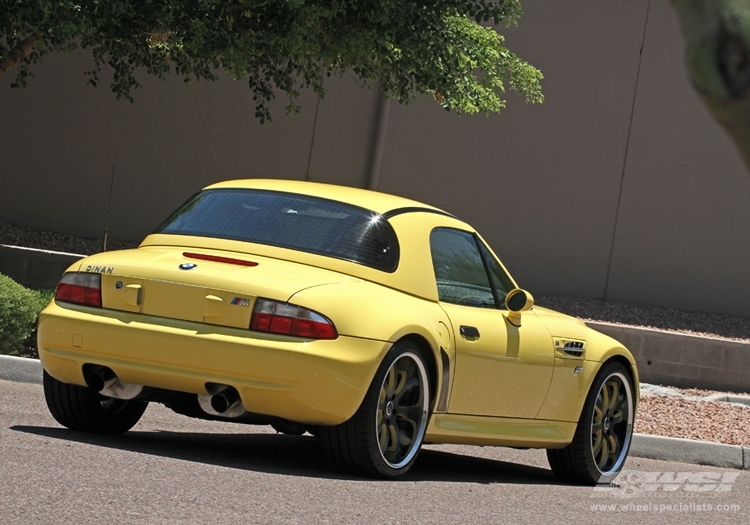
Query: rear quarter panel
[[371, 311]]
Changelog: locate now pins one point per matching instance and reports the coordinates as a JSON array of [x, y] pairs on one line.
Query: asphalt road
[[171, 469]]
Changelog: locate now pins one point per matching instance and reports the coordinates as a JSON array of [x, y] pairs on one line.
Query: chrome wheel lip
[[422, 427], [628, 429]]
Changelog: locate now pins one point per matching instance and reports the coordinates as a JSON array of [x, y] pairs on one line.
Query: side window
[[459, 270], [500, 279]]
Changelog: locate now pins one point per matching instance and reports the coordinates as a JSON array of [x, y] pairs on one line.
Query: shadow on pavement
[[294, 455]]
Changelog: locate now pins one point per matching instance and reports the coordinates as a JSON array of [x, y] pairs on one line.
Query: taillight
[[282, 318], [80, 288]]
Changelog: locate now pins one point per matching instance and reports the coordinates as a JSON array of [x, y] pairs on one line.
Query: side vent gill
[[570, 347]]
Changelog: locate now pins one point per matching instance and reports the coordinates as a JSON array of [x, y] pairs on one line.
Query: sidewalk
[[24, 370]]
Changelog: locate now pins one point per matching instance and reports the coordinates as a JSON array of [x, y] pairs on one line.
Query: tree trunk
[[17, 53], [717, 34]]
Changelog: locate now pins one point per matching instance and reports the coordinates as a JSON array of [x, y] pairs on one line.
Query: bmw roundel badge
[[187, 266]]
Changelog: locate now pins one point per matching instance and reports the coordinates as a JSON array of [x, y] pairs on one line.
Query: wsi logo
[[633, 482]]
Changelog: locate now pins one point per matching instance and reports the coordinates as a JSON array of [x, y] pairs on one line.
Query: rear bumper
[[314, 382]]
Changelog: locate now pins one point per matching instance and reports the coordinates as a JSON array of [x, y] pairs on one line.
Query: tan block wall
[[686, 361], [549, 186]]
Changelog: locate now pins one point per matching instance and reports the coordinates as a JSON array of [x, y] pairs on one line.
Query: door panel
[[501, 370], [505, 371]]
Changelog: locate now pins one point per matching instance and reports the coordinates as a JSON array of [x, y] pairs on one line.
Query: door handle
[[469, 331]]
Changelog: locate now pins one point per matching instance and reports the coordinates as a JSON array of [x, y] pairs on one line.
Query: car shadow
[[294, 455]]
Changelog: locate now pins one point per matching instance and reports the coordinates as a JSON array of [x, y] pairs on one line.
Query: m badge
[[239, 301]]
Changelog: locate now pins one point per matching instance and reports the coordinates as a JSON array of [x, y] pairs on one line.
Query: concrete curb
[[728, 398], [24, 370], [690, 451], [20, 369]]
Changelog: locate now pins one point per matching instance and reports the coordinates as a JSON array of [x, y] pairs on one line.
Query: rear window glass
[[299, 222]]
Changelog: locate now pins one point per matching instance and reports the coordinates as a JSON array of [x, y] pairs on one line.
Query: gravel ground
[[681, 413], [663, 412], [716, 326], [697, 323], [59, 242]]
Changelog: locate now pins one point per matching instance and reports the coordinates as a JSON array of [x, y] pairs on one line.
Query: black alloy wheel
[[604, 432], [384, 436]]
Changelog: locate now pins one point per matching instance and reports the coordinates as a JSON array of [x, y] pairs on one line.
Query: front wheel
[[602, 438], [80, 408], [382, 439]]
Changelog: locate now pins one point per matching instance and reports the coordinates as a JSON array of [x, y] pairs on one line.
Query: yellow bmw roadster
[[374, 322]]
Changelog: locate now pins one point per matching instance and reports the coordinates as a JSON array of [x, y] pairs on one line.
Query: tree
[[717, 35], [435, 47]]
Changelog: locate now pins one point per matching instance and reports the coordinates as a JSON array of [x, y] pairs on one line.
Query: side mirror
[[517, 301]]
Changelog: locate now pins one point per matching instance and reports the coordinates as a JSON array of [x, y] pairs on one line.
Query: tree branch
[[17, 53]]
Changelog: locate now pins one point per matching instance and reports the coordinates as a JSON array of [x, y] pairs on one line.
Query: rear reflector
[[216, 258], [285, 319], [80, 288]]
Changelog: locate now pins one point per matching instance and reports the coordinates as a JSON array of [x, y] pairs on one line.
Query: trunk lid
[[164, 282]]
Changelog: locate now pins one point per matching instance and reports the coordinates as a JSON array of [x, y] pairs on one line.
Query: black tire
[[602, 438], [383, 438], [80, 408]]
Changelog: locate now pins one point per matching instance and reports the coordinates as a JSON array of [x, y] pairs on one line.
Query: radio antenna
[[109, 206]]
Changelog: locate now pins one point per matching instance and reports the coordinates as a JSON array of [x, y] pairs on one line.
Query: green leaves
[[434, 47], [19, 309]]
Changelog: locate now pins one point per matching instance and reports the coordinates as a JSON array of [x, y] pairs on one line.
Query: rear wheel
[[80, 408], [602, 438], [382, 439]]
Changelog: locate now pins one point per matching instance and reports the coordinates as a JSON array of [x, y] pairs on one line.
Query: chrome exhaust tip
[[106, 382], [101, 378], [224, 401]]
